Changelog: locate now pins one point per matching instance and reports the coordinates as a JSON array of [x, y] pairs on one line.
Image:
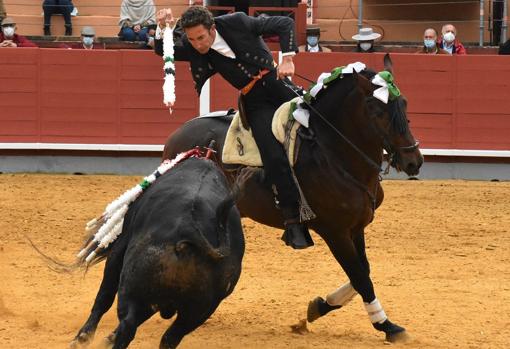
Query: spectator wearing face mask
[[87, 37], [365, 39], [9, 38], [313, 35], [449, 42], [430, 44]]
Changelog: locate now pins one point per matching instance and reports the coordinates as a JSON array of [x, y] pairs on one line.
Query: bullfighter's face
[[201, 38]]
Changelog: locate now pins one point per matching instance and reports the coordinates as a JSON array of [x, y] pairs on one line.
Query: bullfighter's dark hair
[[197, 15]]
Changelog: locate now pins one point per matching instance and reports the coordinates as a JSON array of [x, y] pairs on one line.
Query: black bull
[[180, 252]]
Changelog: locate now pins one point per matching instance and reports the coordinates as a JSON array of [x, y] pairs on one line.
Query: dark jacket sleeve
[[275, 25]]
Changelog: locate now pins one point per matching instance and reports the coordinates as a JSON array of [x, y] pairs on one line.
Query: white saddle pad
[[240, 147]]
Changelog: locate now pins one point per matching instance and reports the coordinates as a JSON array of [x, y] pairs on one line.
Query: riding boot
[[296, 234], [47, 31], [69, 30]]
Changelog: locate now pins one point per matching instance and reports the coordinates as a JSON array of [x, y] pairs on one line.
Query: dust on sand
[[439, 253]]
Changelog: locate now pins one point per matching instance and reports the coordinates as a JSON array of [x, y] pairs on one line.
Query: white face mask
[[88, 41], [365, 46], [8, 31], [449, 37]]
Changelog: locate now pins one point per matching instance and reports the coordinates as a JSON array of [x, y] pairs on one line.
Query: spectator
[[88, 35], [504, 49], [137, 20], [449, 41], [87, 41], [63, 7], [3, 14], [430, 44], [8, 37], [365, 39], [313, 35]]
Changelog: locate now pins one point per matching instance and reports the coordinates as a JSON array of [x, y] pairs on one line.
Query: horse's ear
[[354, 75], [388, 64]]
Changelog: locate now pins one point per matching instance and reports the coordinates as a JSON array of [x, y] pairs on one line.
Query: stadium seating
[[103, 15]]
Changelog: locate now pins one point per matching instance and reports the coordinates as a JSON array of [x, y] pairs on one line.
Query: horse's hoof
[[319, 307], [398, 337], [394, 333], [313, 313]]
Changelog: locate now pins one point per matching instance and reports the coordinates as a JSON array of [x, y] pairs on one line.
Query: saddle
[[240, 147]]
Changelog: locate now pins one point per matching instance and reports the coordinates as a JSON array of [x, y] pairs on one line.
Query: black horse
[[338, 170]]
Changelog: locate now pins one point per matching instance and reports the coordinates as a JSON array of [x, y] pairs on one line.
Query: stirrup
[[296, 234]]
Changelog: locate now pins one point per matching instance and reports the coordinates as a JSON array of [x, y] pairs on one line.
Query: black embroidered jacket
[[243, 34]]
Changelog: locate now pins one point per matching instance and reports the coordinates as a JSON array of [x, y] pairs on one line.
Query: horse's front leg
[[350, 253]]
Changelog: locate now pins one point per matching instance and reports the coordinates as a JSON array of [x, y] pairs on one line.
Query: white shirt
[[313, 48], [220, 45], [448, 48]]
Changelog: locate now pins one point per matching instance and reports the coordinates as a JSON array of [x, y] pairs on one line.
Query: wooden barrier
[[115, 97], [77, 96]]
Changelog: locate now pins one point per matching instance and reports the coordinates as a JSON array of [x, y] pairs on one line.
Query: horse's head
[[389, 119]]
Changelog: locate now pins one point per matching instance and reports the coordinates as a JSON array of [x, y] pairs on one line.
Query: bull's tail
[[222, 212], [53, 263]]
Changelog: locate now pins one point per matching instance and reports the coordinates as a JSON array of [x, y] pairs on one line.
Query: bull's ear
[[388, 64]]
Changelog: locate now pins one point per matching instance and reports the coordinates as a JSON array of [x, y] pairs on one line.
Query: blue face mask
[[312, 40], [88, 41], [429, 43]]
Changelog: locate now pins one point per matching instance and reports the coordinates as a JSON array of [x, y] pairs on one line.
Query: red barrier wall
[[115, 97], [454, 102], [76, 96]]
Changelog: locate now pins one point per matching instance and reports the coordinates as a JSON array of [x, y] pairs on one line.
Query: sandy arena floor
[[439, 251]]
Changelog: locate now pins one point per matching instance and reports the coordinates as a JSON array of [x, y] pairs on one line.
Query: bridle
[[390, 149], [392, 153]]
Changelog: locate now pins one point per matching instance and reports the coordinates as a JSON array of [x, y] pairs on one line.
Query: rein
[[372, 163]]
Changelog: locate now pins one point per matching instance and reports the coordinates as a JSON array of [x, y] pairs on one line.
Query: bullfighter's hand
[[165, 17], [286, 68]]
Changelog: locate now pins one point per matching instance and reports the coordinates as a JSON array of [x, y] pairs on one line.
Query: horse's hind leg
[[351, 256], [105, 297]]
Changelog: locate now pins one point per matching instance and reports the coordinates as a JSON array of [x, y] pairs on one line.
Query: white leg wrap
[[342, 295], [375, 311]]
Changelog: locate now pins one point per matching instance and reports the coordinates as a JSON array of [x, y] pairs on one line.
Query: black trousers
[[260, 104], [51, 7]]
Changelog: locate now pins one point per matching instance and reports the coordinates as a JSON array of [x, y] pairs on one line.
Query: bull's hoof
[[81, 341], [394, 333], [319, 307], [107, 342]]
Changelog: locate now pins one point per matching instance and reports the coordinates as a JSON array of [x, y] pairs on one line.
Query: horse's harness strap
[[326, 121]]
